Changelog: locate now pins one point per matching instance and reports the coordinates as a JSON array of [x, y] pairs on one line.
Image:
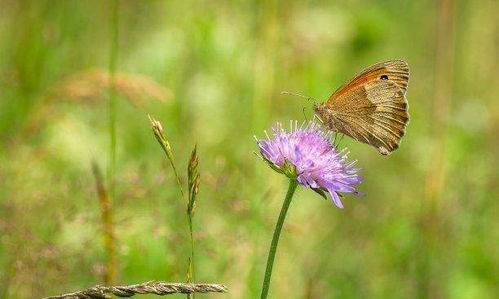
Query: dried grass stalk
[[108, 236], [150, 287]]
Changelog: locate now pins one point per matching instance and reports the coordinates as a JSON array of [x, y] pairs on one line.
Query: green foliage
[[425, 229]]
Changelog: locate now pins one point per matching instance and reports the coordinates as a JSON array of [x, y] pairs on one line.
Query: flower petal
[[336, 199]]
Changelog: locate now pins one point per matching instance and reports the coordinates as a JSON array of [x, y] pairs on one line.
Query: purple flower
[[306, 154]]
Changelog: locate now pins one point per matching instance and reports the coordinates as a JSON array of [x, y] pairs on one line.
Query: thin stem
[[107, 224], [113, 57], [193, 184], [192, 249], [190, 272], [165, 145], [275, 239], [433, 257]]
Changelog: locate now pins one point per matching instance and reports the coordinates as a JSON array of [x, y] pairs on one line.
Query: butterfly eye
[[384, 77]]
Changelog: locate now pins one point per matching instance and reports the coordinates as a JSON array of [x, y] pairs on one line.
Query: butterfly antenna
[[297, 95]]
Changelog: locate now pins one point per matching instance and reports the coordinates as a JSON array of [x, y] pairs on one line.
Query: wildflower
[[306, 154]]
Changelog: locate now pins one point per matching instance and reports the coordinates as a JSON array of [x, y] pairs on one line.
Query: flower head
[[306, 154]]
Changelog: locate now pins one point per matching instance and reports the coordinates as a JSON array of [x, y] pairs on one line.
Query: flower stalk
[[193, 184], [193, 180], [293, 183], [165, 145], [306, 156], [108, 198], [107, 225]]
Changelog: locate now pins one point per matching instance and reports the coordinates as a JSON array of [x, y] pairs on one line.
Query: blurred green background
[[212, 73]]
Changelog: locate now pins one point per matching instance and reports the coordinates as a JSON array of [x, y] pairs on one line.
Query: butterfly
[[371, 107]]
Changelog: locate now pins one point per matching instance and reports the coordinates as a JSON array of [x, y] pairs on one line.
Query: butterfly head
[[326, 116], [320, 110]]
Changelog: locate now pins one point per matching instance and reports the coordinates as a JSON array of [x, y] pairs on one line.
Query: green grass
[[226, 63]]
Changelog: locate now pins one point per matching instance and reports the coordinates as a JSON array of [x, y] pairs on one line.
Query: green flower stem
[[190, 271], [275, 239], [108, 200], [191, 266]]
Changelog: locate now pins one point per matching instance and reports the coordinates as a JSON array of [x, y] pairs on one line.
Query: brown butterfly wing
[[371, 108], [396, 71]]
